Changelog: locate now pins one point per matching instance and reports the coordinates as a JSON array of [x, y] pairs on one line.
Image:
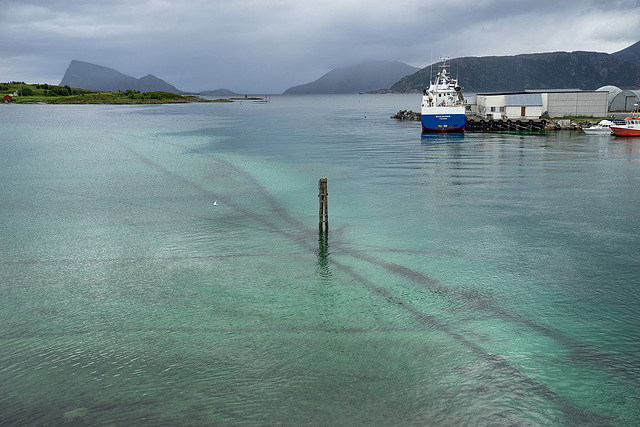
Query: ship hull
[[443, 119], [625, 131]]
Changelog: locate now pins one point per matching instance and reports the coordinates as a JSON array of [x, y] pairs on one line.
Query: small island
[[22, 93]]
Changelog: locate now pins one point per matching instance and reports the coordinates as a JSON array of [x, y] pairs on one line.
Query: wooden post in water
[[323, 213]]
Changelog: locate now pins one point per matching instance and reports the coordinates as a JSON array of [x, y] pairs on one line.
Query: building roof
[[631, 92], [556, 90], [613, 92], [537, 91]]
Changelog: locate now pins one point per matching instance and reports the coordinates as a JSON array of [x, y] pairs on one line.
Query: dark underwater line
[[474, 299], [575, 414], [275, 207], [579, 351]]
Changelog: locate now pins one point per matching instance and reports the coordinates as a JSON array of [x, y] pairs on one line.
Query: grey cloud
[[265, 46]]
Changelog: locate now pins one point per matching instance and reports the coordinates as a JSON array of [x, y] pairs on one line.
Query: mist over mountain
[[363, 77], [557, 70], [84, 75]]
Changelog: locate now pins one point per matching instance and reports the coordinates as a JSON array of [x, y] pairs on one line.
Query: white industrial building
[[621, 100], [532, 104]]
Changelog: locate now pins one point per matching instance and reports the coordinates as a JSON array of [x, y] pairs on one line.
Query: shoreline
[[23, 93], [58, 101]]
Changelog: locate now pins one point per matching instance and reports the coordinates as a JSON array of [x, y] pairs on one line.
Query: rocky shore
[[407, 115]]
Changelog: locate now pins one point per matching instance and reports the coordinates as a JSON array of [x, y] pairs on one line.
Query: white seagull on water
[[215, 203]]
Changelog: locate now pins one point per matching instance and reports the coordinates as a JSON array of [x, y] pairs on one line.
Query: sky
[[267, 46]]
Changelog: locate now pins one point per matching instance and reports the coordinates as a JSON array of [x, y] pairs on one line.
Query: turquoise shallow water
[[475, 279]]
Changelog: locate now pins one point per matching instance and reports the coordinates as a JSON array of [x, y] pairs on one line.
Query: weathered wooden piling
[[323, 212]]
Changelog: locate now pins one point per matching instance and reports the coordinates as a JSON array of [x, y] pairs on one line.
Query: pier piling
[[323, 212]]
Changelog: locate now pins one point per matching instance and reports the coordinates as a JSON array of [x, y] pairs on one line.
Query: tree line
[[49, 90]]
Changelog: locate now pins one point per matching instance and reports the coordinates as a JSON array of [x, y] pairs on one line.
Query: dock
[[474, 123], [508, 125]]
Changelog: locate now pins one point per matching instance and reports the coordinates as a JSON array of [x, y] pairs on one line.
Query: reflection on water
[[323, 269], [442, 138], [477, 279]]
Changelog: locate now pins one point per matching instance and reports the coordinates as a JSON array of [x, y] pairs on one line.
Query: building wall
[[589, 104], [489, 105], [531, 112], [557, 104], [523, 106], [494, 107]]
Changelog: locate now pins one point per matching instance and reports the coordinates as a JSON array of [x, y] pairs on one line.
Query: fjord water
[[476, 279]]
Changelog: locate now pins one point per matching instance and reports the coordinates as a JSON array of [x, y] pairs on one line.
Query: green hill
[[51, 94], [557, 70]]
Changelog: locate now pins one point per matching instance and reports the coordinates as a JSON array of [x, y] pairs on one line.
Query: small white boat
[[602, 128]]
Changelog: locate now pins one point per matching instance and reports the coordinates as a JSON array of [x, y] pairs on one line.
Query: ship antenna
[[431, 66]]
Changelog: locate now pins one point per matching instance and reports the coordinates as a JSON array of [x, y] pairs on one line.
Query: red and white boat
[[631, 126]]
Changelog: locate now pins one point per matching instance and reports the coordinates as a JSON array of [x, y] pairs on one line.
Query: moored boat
[[443, 104], [602, 128], [631, 127]]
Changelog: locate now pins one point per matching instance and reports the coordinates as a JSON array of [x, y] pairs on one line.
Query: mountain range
[[555, 70], [89, 76]]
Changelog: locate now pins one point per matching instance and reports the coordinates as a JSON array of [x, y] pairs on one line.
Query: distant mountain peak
[[85, 75], [362, 77], [631, 53], [218, 92]]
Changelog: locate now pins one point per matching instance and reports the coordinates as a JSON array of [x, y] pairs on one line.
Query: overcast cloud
[[267, 46]]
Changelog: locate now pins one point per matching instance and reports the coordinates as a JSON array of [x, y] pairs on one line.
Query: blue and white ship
[[443, 104]]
